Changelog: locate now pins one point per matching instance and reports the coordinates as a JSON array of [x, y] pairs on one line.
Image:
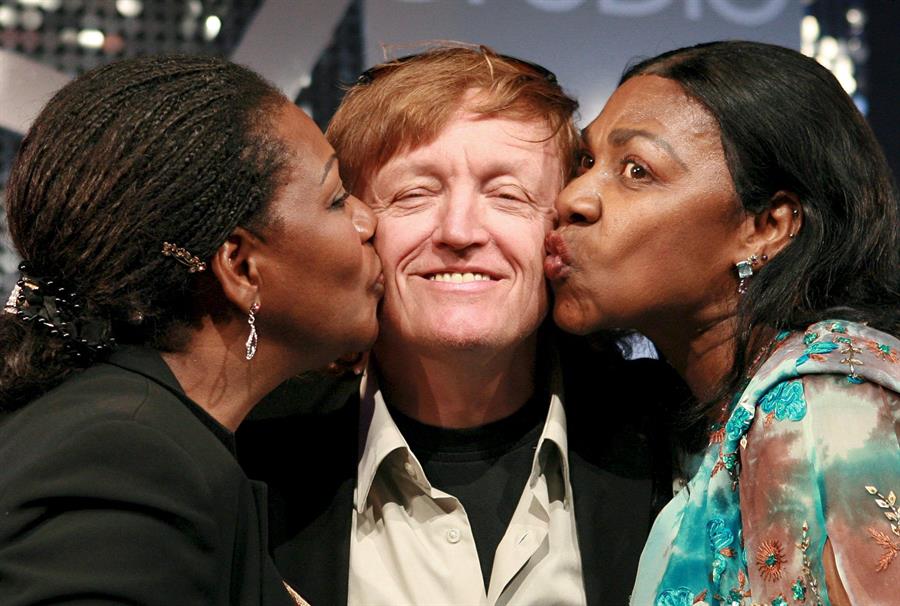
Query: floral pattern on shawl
[[806, 443]]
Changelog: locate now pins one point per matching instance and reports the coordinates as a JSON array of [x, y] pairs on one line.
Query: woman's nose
[[578, 202], [364, 220]]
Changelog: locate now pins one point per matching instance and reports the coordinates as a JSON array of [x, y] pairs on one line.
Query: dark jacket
[[116, 488], [619, 460]]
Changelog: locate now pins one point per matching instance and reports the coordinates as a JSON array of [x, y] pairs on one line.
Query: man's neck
[[458, 388]]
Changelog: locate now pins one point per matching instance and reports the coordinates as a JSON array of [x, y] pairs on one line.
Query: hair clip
[[194, 264], [12, 304]]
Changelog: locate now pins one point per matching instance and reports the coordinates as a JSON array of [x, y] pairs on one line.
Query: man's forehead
[[497, 140]]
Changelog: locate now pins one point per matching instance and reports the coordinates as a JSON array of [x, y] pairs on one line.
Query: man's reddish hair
[[403, 104]]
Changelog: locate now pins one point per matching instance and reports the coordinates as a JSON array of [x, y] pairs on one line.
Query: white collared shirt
[[411, 543]]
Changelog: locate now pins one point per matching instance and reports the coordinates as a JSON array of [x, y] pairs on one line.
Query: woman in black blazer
[[187, 246]]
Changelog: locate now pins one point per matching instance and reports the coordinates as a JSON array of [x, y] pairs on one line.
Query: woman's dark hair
[[125, 157], [787, 125]]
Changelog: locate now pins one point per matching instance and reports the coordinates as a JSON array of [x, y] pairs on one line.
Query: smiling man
[[463, 479], [462, 226]]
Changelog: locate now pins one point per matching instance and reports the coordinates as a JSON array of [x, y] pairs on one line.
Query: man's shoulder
[[305, 416], [302, 441], [619, 408]]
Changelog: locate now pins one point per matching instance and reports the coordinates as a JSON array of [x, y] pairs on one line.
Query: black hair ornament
[[52, 304]]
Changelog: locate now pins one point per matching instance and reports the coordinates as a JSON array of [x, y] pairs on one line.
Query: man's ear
[[235, 266], [768, 232]]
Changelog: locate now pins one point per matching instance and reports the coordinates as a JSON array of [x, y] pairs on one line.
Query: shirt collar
[[554, 435], [380, 437]]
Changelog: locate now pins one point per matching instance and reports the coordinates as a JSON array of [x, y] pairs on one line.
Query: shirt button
[[453, 535]]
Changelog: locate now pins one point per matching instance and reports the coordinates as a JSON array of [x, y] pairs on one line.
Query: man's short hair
[[403, 104]]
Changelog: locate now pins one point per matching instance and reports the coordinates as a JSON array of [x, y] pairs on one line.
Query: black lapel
[[611, 513], [309, 463], [619, 465], [315, 559]]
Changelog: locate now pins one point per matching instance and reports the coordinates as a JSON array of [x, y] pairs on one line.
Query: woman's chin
[[368, 338], [572, 318], [364, 338]]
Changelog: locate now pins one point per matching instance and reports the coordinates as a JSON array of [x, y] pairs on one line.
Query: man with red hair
[[466, 480]]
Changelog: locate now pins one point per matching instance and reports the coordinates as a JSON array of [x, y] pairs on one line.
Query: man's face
[[462, 222]]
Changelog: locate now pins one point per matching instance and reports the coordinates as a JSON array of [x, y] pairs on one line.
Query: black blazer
[[116, 488], [619, 465]]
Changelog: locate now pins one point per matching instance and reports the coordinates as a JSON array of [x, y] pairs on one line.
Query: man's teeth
[[457, 277]]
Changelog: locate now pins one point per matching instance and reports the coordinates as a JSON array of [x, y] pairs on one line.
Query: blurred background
[[312, 49]]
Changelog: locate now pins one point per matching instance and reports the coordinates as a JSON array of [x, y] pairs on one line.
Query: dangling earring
[[252, 339], [744, 271]]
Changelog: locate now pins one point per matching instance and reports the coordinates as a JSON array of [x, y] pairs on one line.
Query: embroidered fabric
[[809, 453]]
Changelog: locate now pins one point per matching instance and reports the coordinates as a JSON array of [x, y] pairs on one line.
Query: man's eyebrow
[[621, 136], [328, 163]]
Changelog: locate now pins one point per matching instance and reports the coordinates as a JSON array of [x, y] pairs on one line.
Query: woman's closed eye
[[340, 201]]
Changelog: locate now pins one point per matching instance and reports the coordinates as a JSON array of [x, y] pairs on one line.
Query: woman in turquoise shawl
[[733, 205]]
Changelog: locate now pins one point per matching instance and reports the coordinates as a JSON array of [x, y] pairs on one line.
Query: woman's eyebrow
[[621, 136], [328, 164]]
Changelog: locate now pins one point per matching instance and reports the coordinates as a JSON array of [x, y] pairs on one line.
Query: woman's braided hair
[[128, 156]]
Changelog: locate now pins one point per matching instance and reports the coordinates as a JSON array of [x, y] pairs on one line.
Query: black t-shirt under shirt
[[485, 467]]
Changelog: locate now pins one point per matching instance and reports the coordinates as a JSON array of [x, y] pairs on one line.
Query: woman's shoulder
[[110, 412], [830, 403], [849, 351], [100, 393], [104, 488], [821, 460], [819, 383]]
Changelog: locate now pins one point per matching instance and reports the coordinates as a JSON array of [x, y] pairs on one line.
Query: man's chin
[[467, 342], [452, 330], [450, 337]]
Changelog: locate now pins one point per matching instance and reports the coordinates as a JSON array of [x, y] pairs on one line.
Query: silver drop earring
[[253, 338], [744, 271]]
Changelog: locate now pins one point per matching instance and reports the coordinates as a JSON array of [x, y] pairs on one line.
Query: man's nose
[[460, 222]]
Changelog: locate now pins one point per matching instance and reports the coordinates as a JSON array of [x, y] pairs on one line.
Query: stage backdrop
[[587, 43]]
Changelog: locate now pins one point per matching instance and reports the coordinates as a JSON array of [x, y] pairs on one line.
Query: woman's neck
[[702, 356], [214, 372]]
